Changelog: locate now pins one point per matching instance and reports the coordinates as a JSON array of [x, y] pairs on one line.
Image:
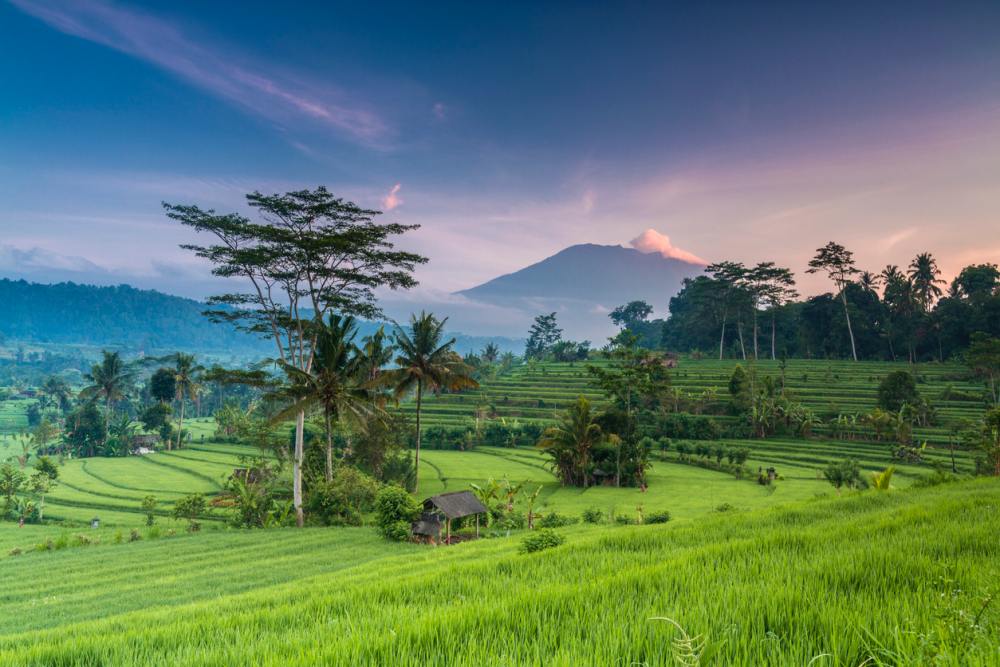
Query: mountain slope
[[583, 282], [123, 316]]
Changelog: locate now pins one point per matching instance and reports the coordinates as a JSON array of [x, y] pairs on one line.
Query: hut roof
[[456, 504]]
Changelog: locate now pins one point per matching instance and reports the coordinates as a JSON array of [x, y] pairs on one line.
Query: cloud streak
[[258, 88], [392, 200], [652, 241]]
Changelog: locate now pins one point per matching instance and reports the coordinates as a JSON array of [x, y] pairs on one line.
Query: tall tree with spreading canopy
[[310, 254], [838, 263], [730, 276], [426, 362], [542, 337], [777, 287]]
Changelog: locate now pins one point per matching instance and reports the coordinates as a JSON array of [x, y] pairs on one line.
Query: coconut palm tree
[[924, 274], [109, 380], [426, 362], [869, 282], [58, 391], [571, 442], [187, 374], [336, 382]]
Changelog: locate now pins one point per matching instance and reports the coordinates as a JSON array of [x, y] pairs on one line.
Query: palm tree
[[57, 390], [336, 382], [570, 443], [869, 282], [426, 363], [491, 353], [924, 274], [110, 380], [186, 375]]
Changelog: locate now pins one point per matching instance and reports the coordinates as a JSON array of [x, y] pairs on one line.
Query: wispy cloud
[[259, 88], [651, 241], [392, 200]]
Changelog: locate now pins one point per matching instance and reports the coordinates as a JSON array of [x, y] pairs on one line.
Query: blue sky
[[735, 130]]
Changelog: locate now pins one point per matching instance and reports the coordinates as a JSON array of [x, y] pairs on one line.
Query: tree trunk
[[297, 460], [773, 356], [755, 334], [180, 424], [739, 329], [329, 447], [722, 338], [847, 315], [416, 458]]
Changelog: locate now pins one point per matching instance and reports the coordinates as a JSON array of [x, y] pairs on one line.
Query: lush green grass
[[836, 582]]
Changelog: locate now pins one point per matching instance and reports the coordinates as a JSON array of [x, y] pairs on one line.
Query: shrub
[[394, 510], [539, 540], [190, 507], [725, 507], [148, 507], [134, 535], [555, 520], [897, 388], [623, 520], [593, 515], [658, 517], [16, 551], [342, 500]]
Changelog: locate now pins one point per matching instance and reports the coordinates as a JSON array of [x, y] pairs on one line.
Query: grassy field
[[869, 578]]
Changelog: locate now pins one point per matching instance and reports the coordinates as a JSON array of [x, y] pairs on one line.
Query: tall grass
[[864, 579]]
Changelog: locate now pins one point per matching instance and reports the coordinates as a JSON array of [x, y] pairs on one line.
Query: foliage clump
[[395, 509], [540, 540]]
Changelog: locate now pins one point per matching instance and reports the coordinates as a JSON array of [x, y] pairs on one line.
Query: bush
[[623, 520], [555, 520], [593, 515], [897, 388], [688, 427], [190, 507], [395, 509], [134, 535], [658, 517], [16, 551], [541, 539], [148, 508], [725, 507], [341, 501]]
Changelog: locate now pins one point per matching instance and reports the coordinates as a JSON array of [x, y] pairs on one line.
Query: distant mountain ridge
[[583, 282], [137, 319]]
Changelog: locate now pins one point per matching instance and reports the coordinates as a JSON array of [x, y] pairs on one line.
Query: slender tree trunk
[[847, 315], [773, 356], [297, 459], [739, 329], [180, 425], [722, 338], [416, 457], [755, 334], [329, 447]]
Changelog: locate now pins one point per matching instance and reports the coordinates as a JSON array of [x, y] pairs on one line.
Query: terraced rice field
[[535, 392], [861, 579], [13, 415]]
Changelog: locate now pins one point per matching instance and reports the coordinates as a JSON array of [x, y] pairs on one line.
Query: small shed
[[448, 506]]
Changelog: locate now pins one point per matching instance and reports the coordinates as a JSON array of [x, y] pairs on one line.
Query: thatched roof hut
[[448, 506]]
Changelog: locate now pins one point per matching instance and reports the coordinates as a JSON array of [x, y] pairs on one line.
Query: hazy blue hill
[[123, 316], [585, 281]]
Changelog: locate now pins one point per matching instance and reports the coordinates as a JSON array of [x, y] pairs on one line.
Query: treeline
[[894, 314]]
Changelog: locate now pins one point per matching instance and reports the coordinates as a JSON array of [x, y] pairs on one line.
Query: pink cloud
[[651, 241], [392, 200]]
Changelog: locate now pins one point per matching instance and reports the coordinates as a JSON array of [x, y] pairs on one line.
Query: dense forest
[[896, 314]]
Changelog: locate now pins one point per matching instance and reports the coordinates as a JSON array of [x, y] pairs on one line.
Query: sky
[[707, 131]]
